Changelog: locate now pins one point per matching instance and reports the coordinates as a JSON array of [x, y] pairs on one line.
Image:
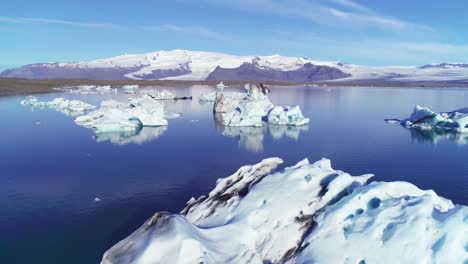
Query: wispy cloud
[[330, 12], [198, 31], [187, 30], [41, 20]]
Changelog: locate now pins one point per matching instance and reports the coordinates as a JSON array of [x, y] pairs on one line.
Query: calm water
[[51, 170]]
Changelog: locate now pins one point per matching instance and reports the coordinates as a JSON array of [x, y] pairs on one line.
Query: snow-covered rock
[[424, 118], [307, 213], [114, 116], [289, 115], [71, 107], [160, 94]]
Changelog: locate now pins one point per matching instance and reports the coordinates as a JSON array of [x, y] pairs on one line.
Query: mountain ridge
[[203, 65]]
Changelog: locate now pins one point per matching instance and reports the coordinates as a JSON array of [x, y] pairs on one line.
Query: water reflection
[[251, 138], [435, 136], [136, 137]]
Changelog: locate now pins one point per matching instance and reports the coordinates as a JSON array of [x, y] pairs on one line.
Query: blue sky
[[366, 32]]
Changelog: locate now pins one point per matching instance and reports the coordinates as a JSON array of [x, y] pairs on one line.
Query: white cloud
[[187, 30], [331, 12], [24, 20]]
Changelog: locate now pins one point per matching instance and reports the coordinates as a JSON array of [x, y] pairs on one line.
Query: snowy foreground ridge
[[424, 118], [308, 213]]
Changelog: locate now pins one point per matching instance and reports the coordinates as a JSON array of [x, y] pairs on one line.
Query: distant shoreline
[[18, 86]]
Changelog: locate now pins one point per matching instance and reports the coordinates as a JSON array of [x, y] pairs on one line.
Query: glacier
[[305, 213], [69, 107], [114, 116], [424, 118]]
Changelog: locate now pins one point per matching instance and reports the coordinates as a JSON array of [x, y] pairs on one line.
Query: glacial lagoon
[[68, 194]]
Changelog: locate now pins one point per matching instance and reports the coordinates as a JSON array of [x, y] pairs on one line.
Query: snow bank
[[114, 116], [424, 118], [308, 213], [71, 107]]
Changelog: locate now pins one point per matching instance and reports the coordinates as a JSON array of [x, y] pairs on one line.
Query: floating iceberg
[[160, 94], [115, 116], [289, 115], [89, 89], [220, 86], [308, 213], [227, 102], [70, 107], [424, 118], [256, 107], [211, 97], [130, 89]]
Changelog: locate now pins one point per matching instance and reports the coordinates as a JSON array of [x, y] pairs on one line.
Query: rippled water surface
[[51, 170]]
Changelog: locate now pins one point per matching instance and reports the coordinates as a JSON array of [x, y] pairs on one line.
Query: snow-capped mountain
[[199, 65]]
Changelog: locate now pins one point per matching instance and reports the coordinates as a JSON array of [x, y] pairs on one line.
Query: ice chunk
[[114, 116], [250, 111], [423, 118], [220, 86], [89, 89], [225, 102], [289, 115], [160, 94], [304, 214], [70, 107]]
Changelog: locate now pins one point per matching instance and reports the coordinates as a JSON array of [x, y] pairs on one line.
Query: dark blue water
[[51, 170]]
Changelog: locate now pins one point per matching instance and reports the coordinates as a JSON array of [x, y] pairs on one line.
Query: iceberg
[[424, 118], [220, 86], [114, 116], [70, 107], [211, 97], [160, 94], [226, 102], [289, 115], [306, 213], [89, 89], [130, 89], [256, 107]]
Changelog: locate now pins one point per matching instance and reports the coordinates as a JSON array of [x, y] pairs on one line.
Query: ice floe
[[114, 116], [289, 115], [69, 107], [89, 89], [130, 89], [424, 118], [256, 107], [160, 94], [307, 213]]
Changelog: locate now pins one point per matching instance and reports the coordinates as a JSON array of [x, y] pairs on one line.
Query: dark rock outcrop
[[307, 73]]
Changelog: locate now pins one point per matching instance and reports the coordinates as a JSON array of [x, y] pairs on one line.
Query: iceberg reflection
[[127, 137], [251, 138], [435, 136]]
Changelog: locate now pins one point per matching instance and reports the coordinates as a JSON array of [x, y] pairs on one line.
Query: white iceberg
[[70, 107], [211, 96], [130, 89], [160, 94], [289, 115], [226, 102], [308, 213], [424, 118], [114, 116], [220, 86], [89, 89], [256, 107]]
